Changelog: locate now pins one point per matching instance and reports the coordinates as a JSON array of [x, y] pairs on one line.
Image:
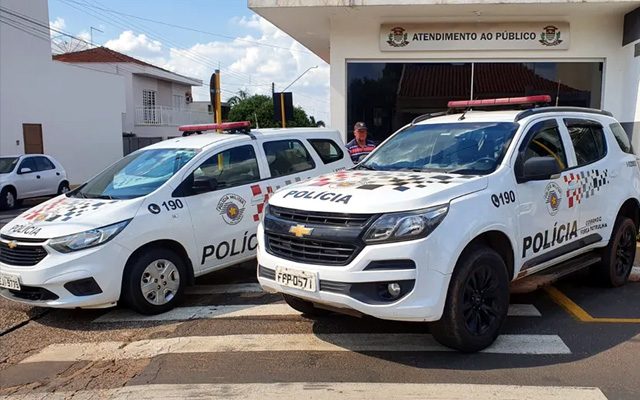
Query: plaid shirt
[[358, 153]]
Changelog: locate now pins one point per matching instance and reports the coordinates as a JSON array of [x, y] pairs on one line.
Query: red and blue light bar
[[225, 126], [506, 101]]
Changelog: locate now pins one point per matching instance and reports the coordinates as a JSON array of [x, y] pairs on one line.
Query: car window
[[327, 149], [588, 140], [286, 157], [43, 164], [544, 140], [233, 167], [7, 164], [621, 137], [28, 163]]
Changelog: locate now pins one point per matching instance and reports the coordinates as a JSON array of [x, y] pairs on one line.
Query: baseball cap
[[360, 125]]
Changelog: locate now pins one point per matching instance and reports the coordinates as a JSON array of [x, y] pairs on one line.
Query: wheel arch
[[630, 209], [11, 188], [500, 243], [163, 244]]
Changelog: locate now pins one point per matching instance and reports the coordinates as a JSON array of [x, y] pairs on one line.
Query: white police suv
[[438, 220], [147, 225]]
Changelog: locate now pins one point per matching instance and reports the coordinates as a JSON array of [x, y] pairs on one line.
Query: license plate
[[9, 282], [297, 279]]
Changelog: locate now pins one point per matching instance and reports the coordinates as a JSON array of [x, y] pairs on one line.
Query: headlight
[[411, 225], [87, 239]]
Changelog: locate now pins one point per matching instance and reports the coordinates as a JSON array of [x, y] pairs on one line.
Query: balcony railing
[[169, 116]]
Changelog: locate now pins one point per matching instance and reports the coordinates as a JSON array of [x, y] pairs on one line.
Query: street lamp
[[282, 113]]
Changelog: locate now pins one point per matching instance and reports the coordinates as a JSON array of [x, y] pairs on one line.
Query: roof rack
[[425, 117], [241, 127], [505, 101], [542, 110]]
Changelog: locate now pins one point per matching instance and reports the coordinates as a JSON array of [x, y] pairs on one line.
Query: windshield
[[137, 174], [474, 148], [7, 164]]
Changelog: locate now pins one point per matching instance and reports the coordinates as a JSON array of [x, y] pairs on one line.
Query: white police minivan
[[436, 222], [147, 225]]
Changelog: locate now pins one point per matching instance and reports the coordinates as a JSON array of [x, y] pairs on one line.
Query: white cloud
[[136, 45], [58, 24]]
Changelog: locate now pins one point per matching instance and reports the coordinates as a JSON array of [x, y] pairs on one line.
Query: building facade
[[69, 112], [157, 100], [393, 60]]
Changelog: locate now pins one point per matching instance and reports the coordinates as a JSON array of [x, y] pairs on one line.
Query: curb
[[635, 274]]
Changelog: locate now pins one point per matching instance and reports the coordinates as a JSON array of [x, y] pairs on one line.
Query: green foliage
[[260, 106]]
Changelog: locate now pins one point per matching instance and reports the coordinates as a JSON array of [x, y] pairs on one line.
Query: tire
[[477, 301], [63, 187], [164, 288], [618, 256], [305, 307], [8, 199]]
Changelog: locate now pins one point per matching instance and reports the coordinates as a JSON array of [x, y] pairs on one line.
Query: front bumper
[[44, 284], [424, 302]]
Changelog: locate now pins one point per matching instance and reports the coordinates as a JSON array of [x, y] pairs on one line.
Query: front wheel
[[8, 199], [618, 256], [477, 302], [154, 281]]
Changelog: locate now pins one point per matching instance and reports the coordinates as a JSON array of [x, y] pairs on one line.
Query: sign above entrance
[[480, 36]]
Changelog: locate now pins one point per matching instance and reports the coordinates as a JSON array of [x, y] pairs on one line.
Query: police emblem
[[397, 37], [550, 36], [231, 208], [552, 198]]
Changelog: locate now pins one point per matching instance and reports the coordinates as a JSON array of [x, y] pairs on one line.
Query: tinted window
[[287, 157], [621, 137], [233, 167], [7, 164], [544, 141], [28, 163], [472, 148], [588, 140], [43, 164], [327, 149]]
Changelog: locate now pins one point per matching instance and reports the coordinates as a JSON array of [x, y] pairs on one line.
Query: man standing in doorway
[[360, 146]]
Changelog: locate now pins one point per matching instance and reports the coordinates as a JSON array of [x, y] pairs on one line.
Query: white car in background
[[27, 176], [142, 229]]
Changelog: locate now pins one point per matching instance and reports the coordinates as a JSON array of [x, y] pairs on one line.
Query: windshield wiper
[[98, 196], [366, 167], [464, 171]]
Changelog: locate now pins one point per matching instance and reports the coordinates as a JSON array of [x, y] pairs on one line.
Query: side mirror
[[537, 169], [24, 170], [205, 185]]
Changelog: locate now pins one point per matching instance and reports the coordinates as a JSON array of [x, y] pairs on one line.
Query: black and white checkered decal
[[400, 181]]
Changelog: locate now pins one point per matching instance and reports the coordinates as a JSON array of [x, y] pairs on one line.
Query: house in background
[[157, 100], [67, 111]]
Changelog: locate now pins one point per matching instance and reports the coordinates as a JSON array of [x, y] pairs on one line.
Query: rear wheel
[[477, 302], [618, 256], [154, 281], [63, 187], [305, 307], [8, 199]]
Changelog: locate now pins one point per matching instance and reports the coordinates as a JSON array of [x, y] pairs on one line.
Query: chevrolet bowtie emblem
[[12, 244], [300, 230]]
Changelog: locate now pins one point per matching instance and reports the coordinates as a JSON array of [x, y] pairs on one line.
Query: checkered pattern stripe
[[256, 191], [64, 209], [370, 181], [584, 184]]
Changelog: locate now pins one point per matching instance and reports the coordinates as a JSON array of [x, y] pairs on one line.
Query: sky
[[250, 52]]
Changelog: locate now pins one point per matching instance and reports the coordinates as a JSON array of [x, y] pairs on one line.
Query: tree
[[234, 100], [261, 106]]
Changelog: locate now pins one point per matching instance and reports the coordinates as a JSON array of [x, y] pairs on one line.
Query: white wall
[[593, 37], [80, 110]]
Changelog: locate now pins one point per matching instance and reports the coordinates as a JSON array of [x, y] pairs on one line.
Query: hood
[[358, 191], [63, 215]]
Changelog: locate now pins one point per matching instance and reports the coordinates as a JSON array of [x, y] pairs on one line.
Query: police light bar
[[225, 126], [500, 102]]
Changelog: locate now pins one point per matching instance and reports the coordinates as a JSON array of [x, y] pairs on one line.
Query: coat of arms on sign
[[550, 36], [398, 37]]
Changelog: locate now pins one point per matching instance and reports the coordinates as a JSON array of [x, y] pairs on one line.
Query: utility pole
[[218, 101]]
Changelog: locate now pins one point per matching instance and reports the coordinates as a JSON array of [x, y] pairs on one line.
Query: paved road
[[231, 340]]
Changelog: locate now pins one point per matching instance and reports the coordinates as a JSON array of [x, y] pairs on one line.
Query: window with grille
[[178, 101], [149, 105]]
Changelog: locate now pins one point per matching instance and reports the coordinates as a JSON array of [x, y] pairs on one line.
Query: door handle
[[58, 173], [38, 176]]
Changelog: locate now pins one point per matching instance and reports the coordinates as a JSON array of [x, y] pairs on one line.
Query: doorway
[[32, 134]]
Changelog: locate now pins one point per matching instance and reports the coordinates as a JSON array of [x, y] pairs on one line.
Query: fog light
[[394, 290]]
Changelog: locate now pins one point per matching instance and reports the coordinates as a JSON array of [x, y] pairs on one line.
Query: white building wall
[[359, 41], [79, 109]]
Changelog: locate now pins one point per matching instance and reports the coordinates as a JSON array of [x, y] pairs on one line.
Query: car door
[[547, 225], [588, 187], [47, 172], [289, 161], [224, 195], [28, 182]]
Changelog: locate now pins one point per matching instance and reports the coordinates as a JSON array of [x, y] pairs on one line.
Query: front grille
[[266, 273], [24, 240], [320, 218], [33, 294], [22, 255], [310, 250]]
